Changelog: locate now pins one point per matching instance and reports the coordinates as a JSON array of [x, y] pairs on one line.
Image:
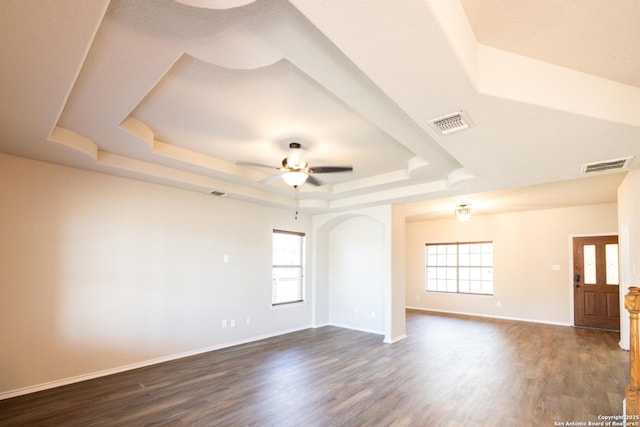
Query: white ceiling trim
[[80, 73], [325, 67], [216, 4], [509, 76]]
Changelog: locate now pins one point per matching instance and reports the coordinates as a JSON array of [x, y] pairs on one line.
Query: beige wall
[[397, 292], [359, 281], [527, 245], [98, 273], [629, 223]]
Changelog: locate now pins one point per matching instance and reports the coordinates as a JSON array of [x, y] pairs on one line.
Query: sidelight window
[[464, 268], [611, 267]]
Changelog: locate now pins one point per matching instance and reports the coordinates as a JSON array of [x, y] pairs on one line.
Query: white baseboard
[[395, 339], [83, 377], [92, 375], [321, 325], [386, 340], [489, 316], [371, 331]]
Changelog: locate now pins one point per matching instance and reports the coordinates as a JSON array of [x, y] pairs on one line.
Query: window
[[288, 267], [463, 268]]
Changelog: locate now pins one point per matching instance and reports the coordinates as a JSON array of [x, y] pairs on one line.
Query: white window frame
[[459, 268], [288, 284]]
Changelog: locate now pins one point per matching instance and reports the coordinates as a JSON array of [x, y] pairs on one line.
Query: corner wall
[[357, 274], [360, 262], [629, 222], [100, 273], [527, 246]]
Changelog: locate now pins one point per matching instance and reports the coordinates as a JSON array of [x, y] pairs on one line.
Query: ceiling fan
[[297, 171]]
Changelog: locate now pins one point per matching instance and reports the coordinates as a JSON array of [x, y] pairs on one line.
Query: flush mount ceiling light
[[463, 213]]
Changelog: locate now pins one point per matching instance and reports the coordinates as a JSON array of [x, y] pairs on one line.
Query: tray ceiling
[[177, 92]]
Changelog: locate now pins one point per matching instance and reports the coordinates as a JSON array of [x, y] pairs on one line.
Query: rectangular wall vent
[[608, 165], [451, 123]]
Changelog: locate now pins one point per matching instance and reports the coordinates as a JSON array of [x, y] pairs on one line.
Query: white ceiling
[[177, 91]]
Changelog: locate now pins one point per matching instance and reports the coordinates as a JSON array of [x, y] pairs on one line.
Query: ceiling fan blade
[[313, 180], [331, 169], [270, 179], [260, 165]]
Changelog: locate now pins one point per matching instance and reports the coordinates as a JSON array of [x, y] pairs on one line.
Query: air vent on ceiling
[[218, 193], [451, 123], [608, 165]]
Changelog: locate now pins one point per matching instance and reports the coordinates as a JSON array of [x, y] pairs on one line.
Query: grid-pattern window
[[465, 268], [288, 267]]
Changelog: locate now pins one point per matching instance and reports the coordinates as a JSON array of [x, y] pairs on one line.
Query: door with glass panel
[[596, 282]]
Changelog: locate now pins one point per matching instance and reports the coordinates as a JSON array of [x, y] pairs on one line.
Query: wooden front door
[[596, 282]]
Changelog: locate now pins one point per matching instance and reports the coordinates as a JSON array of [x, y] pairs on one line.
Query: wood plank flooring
[[450, 371]]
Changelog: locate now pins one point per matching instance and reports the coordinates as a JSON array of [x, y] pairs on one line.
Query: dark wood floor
[[450, 371]]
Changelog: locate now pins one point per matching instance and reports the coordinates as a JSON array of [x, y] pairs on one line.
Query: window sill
[[288, 305]]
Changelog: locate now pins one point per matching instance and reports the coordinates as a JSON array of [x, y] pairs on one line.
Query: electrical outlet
[[232, 323], [248, 320], [224, 323]]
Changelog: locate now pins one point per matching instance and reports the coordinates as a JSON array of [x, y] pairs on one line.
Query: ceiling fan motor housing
[[293, 162]]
